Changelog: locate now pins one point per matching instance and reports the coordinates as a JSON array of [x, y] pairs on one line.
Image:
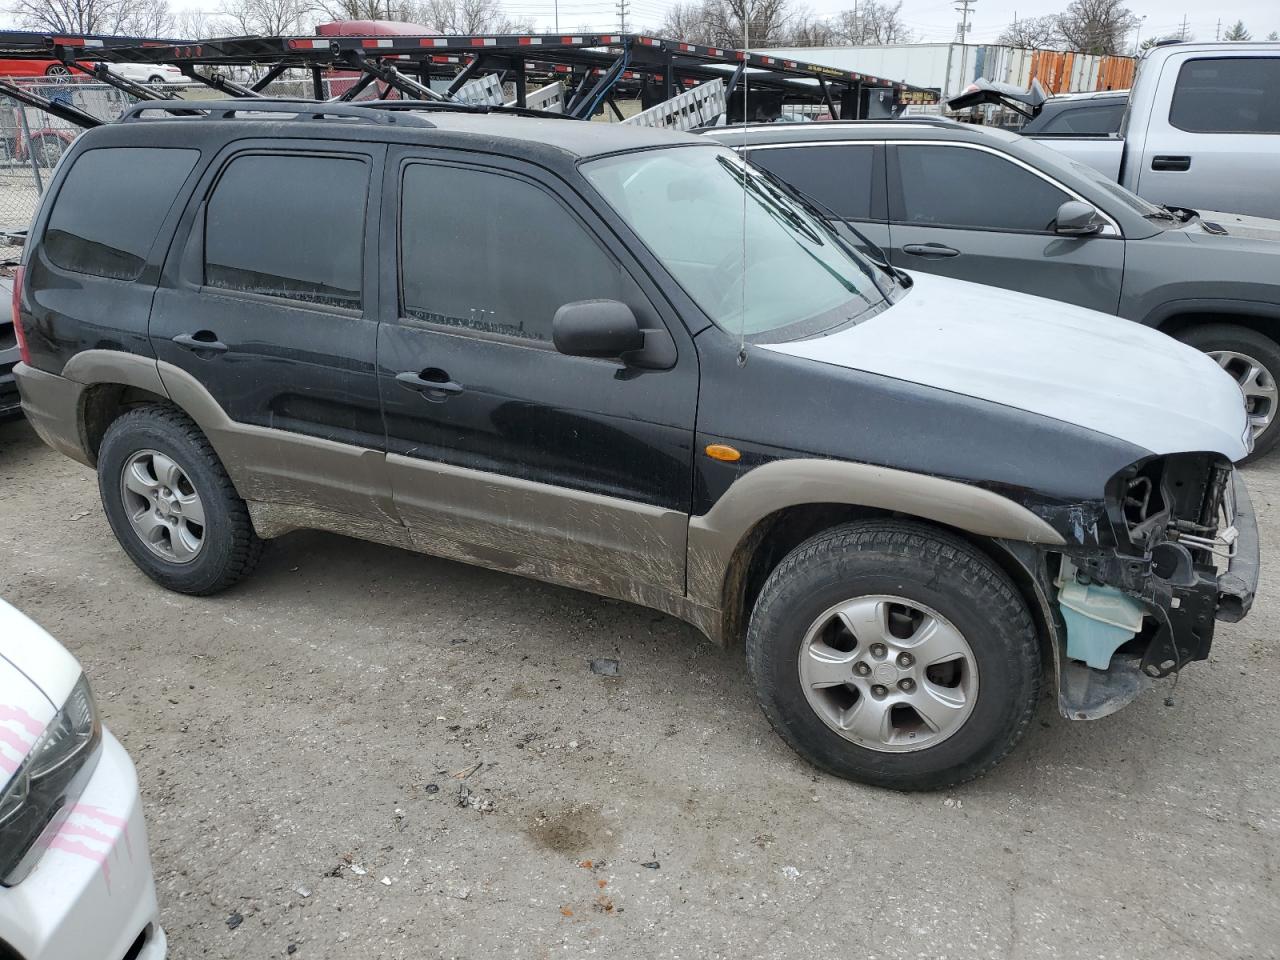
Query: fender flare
[[1260, 309], [716, 537]]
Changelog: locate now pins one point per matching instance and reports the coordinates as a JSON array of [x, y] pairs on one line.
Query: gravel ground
[[366, 753]]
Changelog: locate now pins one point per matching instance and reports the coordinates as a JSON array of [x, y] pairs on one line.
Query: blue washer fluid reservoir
[[1100, 619]]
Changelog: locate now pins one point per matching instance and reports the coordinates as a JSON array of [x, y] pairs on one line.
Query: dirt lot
[[304, 743]]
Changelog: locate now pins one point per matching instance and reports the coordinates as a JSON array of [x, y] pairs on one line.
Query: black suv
[[621, 360]]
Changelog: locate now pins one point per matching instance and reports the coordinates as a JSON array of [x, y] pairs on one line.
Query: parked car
[[622, 360], [1094, 114], [56, 70], [1200, 131], [18, 141], [985, 205], [148, 72], [75, 875]]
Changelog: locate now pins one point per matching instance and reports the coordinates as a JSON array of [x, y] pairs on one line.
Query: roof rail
[[455, 106], [298, 109]]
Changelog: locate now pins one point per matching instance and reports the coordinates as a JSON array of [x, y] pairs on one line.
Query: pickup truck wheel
[[896, 654], [1253, 360], [171, 504]]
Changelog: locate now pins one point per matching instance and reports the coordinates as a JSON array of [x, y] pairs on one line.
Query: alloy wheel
[[1257, 384], [163, 506], [888, 674]]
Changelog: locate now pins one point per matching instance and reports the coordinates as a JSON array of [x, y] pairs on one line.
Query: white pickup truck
[[1202, 129]]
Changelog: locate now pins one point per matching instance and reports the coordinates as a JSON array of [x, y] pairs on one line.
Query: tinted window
[[288, 227], [837, 176], [1087, 121], [110, 208], [1231, 95], [960, 187], [494, 254]]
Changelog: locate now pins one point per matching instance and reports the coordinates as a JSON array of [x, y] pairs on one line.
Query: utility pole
[[962, 36], [624, 7], [1217, 31], [1182, 34]]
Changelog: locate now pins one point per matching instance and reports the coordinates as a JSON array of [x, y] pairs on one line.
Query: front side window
[[838, 176], [110, 208], [757, 262], [1227, 95], [489, 253], [289, 227], [948, 186]]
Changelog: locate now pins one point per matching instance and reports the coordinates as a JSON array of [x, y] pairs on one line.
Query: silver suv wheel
[[1260, 393], [163, 506], [888, 674]]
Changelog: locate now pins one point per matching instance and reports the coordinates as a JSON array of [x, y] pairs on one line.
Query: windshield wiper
[[834, 222]]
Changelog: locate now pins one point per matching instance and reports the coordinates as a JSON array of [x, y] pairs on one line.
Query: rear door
[[847, 177], [501, 450], [969, 212], [269, 308], [1213, 138]]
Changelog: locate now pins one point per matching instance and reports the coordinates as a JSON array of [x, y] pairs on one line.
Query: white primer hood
[[1097, 371]]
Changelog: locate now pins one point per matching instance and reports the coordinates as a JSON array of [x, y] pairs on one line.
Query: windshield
[[756, 261]]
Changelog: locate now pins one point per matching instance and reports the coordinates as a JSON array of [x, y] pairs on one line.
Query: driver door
[[968, 212], [502, 451]]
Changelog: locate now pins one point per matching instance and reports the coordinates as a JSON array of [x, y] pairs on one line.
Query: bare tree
[[271, 18], [122, 17], [1237, 32], [198, 25], [1273, 36], [400, 10], [1033, 33], [871, 22], [1097, 26], [768, 22], [687, 22], [467, 17]]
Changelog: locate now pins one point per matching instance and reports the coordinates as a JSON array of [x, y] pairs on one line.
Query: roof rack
[[298, 109], [594, 66]]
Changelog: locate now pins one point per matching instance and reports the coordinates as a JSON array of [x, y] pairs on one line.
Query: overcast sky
[[928, 19]]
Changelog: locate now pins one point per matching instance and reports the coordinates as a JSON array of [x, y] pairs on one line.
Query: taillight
[[23, 352]]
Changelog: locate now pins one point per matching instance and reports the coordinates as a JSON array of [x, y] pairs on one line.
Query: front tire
[[1253, 361], [171, 504], [895, 654]]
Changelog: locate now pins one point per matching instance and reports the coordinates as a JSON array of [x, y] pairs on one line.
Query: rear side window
[[838, 176], [1087, 121], [110, 208], [1228, 95], [493, 254], [960, 187], [289, 226]]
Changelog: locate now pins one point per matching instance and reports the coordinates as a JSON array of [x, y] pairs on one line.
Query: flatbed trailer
[[595, 68]]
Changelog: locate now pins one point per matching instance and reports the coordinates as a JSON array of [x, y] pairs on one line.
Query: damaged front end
[[1174, 548]]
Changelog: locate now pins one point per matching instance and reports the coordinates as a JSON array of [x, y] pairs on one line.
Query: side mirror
[[1076, 219], [609, 330]]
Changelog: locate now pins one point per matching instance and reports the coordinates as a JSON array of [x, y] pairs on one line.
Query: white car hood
[[1046, 357], [24, 713], [33, 654]]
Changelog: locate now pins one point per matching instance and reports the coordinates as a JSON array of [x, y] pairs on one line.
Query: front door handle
[[930, 251], [201, 342], [1176, 164], [433, 383]]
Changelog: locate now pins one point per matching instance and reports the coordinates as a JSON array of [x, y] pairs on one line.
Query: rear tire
[[928, 588], [1236, 348], [171, 504]]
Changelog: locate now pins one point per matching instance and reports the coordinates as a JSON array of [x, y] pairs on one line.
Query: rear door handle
[[433, 383], [1177, 164], [931, 251], [202, 341]]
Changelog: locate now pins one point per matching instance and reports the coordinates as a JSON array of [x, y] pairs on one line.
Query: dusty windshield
[[752, 258]]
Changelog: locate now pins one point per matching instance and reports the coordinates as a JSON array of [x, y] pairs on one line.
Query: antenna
[[742, 316]]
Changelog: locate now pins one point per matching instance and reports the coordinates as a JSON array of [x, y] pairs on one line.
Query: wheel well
[[103, 403], [777, 534], [1181, 322]]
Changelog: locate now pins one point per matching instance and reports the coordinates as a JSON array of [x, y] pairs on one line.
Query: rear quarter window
[[110, 207]]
